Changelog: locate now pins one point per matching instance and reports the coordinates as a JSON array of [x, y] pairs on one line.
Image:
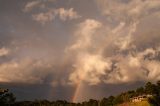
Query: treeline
[[149, 88]]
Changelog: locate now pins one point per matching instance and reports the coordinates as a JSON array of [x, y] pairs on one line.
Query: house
[[140, 98]]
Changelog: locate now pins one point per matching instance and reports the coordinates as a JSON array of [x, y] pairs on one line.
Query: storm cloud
[[58, 43], [124, 49]]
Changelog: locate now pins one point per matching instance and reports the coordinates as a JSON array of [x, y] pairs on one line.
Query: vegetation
[[142, 103], [123, 99], [6, 98]]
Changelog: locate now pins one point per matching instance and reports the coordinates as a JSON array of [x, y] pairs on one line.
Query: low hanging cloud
[[26, 70], [27, 64], [121, 52]]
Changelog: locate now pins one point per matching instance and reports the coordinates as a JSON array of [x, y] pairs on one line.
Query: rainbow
[[77, 90]]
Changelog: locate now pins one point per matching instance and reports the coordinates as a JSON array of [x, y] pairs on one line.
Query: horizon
[[68, 49]]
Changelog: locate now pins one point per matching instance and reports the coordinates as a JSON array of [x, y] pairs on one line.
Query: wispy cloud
[[44, 17], [30, 5], [63, 14], [45, 14]]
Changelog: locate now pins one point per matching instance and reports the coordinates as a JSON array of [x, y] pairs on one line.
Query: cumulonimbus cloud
[[118, 52], [120, 49], [88, 66]]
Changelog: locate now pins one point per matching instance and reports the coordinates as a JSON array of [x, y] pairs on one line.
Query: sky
[[68, 49]]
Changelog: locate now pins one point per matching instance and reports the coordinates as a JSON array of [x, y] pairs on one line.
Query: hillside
[[142, 103]]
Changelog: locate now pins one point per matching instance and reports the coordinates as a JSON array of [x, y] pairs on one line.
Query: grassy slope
[[143, 103]]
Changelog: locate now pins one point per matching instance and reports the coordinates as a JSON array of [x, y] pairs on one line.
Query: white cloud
[[30, 5], [88, 66], [153, 67], [44, 17], [140, 66], [85, 33], [63, 14], [122, 50], [49, 14], [24, 71], [36, 4]]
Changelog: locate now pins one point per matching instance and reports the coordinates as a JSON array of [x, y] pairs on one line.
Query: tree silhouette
[[6, 98]]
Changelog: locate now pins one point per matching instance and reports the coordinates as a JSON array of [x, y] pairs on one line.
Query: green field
[[142, 103]]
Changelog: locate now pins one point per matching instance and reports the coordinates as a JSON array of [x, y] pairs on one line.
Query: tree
[[150, 88], [110, 101], [118, 99], [155, 100], [93, 102], [131, 93], [6, 98], [140, 91], [103, 102], [158, 88]]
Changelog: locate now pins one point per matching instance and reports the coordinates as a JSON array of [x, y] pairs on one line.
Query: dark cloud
[[101, 45]]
